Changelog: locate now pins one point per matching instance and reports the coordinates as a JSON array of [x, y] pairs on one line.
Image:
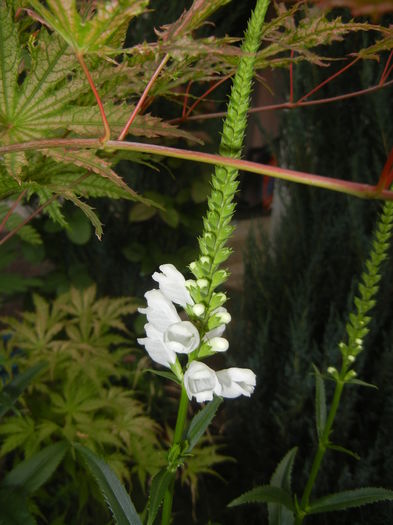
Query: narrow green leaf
[[162, 373], [349, 499], [159, 486], [14, 389], [361, 383], [115, 495], [201, 421], [265, 494], [320, 402], [278, 514], [32, 473], [339, 448], [88, 211]]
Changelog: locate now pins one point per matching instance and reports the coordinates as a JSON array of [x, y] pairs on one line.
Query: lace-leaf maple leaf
[[191, 19], [97, 29]]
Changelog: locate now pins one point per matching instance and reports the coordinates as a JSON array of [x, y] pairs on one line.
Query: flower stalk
[[357, 329]]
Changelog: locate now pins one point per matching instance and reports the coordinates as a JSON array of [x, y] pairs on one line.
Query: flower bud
[[219, 344], [198, 309]]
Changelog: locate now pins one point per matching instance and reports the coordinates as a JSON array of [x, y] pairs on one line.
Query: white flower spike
[[173, 285], [236, 382], [201, 382]]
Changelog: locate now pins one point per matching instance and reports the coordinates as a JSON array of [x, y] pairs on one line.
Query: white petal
[[158, 352], [201, 382], [160, 311], [219, 344], [173, 285], [182, 337], [236, 382], [216, 332]]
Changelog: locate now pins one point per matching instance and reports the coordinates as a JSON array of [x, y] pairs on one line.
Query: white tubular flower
[[236, 382], [182, 337], [155, 347], [160, 312], [201, 382], [218, 344], [166, 333], [173, 285]]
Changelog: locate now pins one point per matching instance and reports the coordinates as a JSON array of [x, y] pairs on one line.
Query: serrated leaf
[[116, 497], [159, 486], [191, 19], [265, 494], [350, 499], [320, 402], [90, 161], [166, 374], [201, 421], [278, 514], [31, 474], [14, 388], [91, 32], [9, 63], [88, 211]]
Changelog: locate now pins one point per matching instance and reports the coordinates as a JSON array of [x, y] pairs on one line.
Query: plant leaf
[[159, 486], [320, 402], [265, 494], [113, 491], [162, 373], [349, 499], [14, 389], [339, 448], [278, 514], [31, 474], [88, 211], [201, 421]]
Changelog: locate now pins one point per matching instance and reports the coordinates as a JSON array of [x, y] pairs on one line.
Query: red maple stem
[[143, 97], [11, 210], [107, 133], [288, 105], [185, 102], [386, 178], [385, 72], [291, 78], [326, 81], [388, 72], [206, 93]]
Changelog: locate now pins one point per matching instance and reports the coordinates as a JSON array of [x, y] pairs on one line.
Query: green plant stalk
[[177, 437], [356, 189], [322, 447], [356, 330]]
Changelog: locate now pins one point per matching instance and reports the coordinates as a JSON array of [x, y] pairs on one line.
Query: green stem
[[177, 438], [356, 189], [322, 446]]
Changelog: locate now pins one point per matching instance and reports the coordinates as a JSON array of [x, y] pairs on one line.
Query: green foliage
[[116, 497], [75, 401], [349, 499]]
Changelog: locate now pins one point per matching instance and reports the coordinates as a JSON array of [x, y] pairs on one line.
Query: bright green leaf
[[201, 421], [159, 486]]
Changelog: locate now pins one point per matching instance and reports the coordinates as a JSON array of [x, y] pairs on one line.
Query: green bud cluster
[[357, 325], [217, 226]]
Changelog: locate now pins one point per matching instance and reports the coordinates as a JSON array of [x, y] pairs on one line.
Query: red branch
[[385, 72], [143, 97], [386, 177], [185, 101], [107, 134]]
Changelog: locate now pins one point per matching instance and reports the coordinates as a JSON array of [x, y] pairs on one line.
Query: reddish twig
[[143, 97], [356, 189], [11, 210], [185, 101], [288, 105], [107, 133], [291, 78], [335, 75], [385, 72], [386, 178]]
